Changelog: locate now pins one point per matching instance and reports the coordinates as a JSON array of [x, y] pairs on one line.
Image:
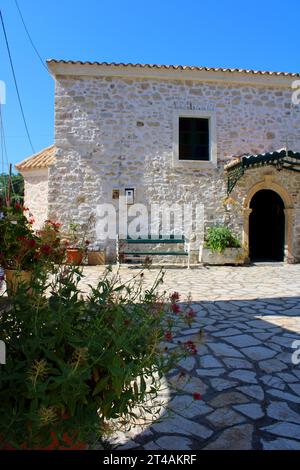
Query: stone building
[[175, 135]]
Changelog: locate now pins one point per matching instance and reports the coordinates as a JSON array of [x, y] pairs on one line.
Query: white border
[[197, 164]]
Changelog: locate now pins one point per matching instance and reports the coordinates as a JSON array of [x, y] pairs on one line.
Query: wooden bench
[[122, 254]]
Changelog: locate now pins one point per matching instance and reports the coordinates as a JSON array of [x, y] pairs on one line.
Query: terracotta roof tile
[[42, 159], [175, 67]]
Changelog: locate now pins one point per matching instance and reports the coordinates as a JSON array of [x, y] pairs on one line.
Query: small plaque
[[115, 193], [129, 194]]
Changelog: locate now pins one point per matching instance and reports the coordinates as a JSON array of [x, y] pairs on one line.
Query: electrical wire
[[29, 37], [16, 83]]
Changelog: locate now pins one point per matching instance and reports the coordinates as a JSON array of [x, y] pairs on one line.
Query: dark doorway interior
[[266, 227]]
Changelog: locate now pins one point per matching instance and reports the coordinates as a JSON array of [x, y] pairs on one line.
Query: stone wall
[[36, 194], [113, 133], [287, 185]]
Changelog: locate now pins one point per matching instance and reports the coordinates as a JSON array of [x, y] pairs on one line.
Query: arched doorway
[[266, 226]]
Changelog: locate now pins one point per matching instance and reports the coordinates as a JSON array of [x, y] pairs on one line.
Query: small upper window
[[194, 139]]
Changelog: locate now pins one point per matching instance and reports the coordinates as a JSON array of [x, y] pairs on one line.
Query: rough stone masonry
[[114, 129]]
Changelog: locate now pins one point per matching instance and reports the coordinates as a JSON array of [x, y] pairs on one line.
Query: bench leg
[[189, 262], [118, 251]]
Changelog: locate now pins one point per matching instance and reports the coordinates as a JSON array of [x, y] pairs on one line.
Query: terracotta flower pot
[[74, 256], [14, 278]]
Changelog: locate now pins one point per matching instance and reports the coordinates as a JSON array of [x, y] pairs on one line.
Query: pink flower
[[55, 225], [197, 396]]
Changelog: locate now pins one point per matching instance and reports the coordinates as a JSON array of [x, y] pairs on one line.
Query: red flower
[[191, 313], [191, 347], [175, 308], [31, 220], [174, 297], [25, 209], [197, 396], [168, 336], [87, 242], [126, 322], [18, 206], [46, 249], [55, 225], [31, 243]]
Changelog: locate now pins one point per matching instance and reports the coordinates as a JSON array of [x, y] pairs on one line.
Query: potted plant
[[221, 247], [77, 244], [21, 248], [73, 363]]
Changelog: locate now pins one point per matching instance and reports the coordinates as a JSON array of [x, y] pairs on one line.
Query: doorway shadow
[[266, 226]]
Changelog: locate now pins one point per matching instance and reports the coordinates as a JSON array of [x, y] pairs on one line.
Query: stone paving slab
[[250, 388]]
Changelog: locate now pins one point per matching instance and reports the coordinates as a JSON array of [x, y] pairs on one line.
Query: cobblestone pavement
[[250, 388]]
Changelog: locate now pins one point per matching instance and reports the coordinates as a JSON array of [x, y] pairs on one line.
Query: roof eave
[[98, 69]]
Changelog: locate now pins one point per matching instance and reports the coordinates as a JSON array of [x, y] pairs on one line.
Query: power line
[[29, 37], [15, 81]]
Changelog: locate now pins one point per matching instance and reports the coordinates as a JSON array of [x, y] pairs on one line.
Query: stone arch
[[268, 183]]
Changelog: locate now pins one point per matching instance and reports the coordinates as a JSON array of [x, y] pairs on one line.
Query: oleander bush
[[75, 362], [21, 247]]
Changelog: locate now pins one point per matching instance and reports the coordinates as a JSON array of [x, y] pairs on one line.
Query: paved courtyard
[[244, 371]]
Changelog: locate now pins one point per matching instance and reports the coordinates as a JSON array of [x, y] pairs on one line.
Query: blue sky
[[255, 34]]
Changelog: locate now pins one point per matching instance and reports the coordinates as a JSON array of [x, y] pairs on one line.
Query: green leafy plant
[[219, 238], [76, 235], [74, 362], [11, 185]]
